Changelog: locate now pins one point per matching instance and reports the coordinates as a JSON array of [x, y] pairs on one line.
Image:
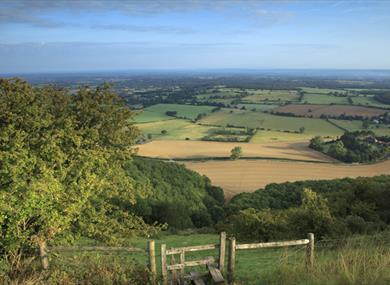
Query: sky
[[68, 35]]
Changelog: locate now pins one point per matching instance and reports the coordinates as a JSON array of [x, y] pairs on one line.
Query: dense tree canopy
[[62, 162]]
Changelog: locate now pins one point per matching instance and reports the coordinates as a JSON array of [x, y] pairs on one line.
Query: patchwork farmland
[[278, 123]]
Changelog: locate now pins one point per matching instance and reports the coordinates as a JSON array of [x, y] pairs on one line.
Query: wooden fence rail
[[233, 247]]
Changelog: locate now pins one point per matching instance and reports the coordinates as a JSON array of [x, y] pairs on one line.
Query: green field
[[176, 129], [154, 112], [356, 125], [323, 99], [322, 90], [368, 101], [269, 136], [260, 95], [258, 107], [242, 118]]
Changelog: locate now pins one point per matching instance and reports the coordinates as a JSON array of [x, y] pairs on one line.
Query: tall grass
[[362, 260]]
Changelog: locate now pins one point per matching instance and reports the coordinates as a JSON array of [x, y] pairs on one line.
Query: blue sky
[[44, 35]]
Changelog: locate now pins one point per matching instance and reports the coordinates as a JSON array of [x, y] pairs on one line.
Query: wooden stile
[[215, 273]]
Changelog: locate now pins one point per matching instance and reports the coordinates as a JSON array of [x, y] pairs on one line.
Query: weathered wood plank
[[152, 260], [215, 273], [272, 244], [205, 261], [222, 248], [310, 251], [197, 278], [164, 270], [94, 248], [178, 250], [232, 260]]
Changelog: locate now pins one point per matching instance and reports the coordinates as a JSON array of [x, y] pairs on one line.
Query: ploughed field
[[249, 175], [206, 149]]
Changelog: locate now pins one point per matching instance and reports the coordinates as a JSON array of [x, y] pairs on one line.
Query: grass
[[260, 95], [258, 107], [357, 125], [157, 112], [242, 118], [323, 99], [322, 90], [176, 129], [368, 101], [269, 136]]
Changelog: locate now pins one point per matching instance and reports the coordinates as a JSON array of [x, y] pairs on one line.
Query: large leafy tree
[[61, 165]]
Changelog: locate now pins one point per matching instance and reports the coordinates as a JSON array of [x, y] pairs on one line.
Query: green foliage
[[62, 165], [236, 153], [179, 197], [317, 143], [313, 215], [358, 205], [358, 146]]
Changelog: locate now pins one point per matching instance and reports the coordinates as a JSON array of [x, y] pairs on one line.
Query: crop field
[[242, 118], [249, 175], [159, 110], [208, 149], [176, 129], [324, 99], [257, 96], [316, 111]]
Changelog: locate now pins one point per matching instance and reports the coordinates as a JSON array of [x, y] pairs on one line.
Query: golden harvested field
[[316, 111], [206, 149], [249, 175]]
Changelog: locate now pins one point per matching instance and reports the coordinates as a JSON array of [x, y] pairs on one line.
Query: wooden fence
[[233, 247], [177, 270]]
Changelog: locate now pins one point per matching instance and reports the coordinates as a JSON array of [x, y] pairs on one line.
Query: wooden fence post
[[43, 255], [222, 248], [310, 251], [152, 260], [182, 270], [232, 260], [164, 271]]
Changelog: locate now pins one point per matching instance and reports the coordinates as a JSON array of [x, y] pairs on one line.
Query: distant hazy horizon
[[40, 36]]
